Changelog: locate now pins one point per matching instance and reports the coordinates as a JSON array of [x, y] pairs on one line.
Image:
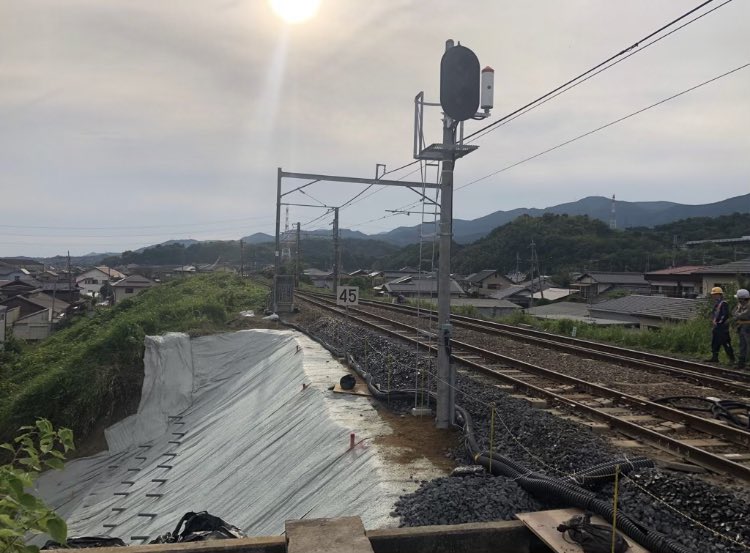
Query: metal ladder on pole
[[428, 235]]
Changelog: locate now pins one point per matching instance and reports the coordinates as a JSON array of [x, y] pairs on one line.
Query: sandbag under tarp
[[245, 441]]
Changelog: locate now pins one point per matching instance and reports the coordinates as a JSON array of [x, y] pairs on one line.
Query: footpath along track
[[720, 378], [711, 444]]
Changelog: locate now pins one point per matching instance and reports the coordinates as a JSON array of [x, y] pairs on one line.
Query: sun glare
[[295, 11]]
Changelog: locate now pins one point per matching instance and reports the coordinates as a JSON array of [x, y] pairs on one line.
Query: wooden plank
[[544, 525], [327, 535]]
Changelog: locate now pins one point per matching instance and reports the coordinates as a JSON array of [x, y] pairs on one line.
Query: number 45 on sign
[[348, 295]]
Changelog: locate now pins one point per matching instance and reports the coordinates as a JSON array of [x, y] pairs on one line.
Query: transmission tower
[[613, 216]]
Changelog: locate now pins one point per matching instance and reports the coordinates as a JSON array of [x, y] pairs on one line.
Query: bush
[[92, 371], [22, 514]]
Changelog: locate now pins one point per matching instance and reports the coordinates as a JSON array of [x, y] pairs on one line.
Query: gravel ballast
[[538, 440]]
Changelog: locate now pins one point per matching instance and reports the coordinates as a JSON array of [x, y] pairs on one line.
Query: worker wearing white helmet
[[741, 317], [720, 336]]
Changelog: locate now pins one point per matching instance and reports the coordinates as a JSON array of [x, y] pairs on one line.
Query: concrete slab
[[327, 535]]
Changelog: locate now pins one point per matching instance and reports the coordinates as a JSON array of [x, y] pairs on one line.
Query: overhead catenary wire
[[480, 133], [567, 142], [591, 70], [607, 125], [568, 85]]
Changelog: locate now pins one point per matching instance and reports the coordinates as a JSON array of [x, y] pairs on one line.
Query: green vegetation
[[692, 338], [565, 243], [22, 514], [90, 373]]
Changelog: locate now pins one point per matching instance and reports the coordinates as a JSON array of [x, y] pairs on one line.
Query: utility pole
[[70, 281], [336, 252], [446, 375], [242, 258], [277, 251], [297, 258]]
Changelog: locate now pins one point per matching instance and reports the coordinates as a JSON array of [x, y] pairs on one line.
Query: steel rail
[[696, 455], [725, 379]]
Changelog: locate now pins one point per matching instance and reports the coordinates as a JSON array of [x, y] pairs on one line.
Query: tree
[[22, 513]]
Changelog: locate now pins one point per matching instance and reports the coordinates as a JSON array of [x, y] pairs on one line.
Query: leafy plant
[[22, 513]]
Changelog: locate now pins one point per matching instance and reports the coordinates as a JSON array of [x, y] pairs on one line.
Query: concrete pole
[[446, 378], [297, 259], [336, 252], [277, 251], [242, 258]]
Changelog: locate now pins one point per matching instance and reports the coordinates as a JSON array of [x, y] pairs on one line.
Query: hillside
[[89, 374], [629, 214], [576, 243], [317, 251]]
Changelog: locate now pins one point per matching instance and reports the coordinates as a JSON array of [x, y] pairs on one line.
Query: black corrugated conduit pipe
[[567, 489]]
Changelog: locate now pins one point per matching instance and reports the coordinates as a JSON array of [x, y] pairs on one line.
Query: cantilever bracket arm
[[356, 180]]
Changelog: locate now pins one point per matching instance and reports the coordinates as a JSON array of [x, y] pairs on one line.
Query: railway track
[[709, 443], [720, 378]]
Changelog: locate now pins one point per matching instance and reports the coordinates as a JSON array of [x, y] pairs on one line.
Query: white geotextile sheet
[[224, 426]]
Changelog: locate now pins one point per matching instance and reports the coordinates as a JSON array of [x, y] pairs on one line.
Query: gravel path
[[540, 441]]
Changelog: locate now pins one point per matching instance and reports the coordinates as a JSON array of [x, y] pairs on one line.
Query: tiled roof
[[425, 285], [476, 278], [616, 278], [741, 267], [651, 306], [684, 270], [134, 281], [484, 302]]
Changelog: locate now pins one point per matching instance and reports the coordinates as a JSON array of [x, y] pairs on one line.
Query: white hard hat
[[742, 294]]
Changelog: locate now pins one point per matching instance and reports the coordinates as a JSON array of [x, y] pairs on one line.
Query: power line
[[611, 123], [476, 136], [572, 83], [597, 66], [570, 141]]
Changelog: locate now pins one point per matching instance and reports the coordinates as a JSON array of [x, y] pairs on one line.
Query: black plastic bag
[[593, 538], [84, 542], [200, 527]]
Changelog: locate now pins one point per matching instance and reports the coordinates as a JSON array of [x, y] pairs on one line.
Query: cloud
[[134, 112]]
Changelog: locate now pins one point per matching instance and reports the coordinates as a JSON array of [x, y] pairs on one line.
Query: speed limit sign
[[347, 295]]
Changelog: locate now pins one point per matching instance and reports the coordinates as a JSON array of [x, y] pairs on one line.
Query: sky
[[130, 122]]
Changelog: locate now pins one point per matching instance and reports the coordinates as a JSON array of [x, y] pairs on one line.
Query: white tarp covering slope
[[225, 426]]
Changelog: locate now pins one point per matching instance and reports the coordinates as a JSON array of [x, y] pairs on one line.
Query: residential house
[[12, 272], [130, 286], [91, 281], [647, 311], [66, 290], [389, 275], [10, 288], [485, 280], [516, 277], [572, 311], [33, 303], [414, 286], [525, 293], [676, 282], [320, 279], [592, 285], [488, 307], [35, 326], [733, 274]]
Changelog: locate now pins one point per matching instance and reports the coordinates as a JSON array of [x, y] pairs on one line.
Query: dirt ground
[[416, 437]]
